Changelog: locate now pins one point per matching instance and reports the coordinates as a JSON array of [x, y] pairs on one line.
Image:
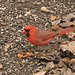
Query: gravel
[[12, 20]]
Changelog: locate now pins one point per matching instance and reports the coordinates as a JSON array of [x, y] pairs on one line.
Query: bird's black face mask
[[27, 30]]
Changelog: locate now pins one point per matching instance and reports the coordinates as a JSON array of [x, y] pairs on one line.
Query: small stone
[[20, 16], [7, 54], [28, 12], [16, 69], [2, 29], [0, 73], [23, 61]]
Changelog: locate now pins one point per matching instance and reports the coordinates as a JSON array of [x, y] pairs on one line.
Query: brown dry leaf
[[50, 65], [20, 56], [69, 72], [72, 60], [70, 46], [67, 24], [8, 45], [43, 58], [56, 27], [40, 73], [69, 17], [53, 18], [66, 59], [46, 59], [4, 24], [24, 55], [1, 66], [63, 69], [71, 35]]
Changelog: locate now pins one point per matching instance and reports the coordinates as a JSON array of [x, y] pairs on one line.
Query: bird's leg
[[44, 50], [45, 47]]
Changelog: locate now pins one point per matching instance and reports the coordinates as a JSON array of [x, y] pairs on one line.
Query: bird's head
[[27, 29]]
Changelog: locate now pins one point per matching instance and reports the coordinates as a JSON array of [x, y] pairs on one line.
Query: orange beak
[[24, 32]]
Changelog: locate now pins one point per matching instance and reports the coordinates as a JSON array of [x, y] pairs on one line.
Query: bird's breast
[[33, 40]]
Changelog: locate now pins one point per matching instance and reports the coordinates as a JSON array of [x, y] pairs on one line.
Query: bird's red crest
[[29, 27]]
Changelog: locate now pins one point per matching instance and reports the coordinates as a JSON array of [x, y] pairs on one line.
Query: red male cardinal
[[40, 38]]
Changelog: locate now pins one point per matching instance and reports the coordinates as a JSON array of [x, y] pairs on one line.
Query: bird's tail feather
[[64, 31]]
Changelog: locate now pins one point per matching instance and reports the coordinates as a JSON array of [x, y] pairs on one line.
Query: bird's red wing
[[44, 35]]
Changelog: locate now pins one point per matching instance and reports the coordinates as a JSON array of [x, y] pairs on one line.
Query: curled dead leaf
[[53, 18], [4, 24], [24, 55]]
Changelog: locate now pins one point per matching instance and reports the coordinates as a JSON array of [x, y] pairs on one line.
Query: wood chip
[[46, 10], [1, 66], [40, 73]]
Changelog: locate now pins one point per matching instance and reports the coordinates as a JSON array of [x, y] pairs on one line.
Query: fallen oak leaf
[[68, 17], [70, 46]]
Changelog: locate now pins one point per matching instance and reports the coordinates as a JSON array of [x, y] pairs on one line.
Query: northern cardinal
[[40, 38]]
